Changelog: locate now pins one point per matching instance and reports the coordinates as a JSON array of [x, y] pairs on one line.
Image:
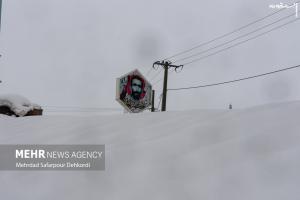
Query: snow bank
[[211, 155], [18, 104]]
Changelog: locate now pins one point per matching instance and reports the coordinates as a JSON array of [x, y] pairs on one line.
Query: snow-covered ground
[[244, 154], [81, 111]]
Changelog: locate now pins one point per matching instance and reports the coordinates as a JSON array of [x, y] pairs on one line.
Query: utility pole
[[166, 66]]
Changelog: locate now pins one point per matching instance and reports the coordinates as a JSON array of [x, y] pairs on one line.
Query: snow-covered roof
[[18, 104]]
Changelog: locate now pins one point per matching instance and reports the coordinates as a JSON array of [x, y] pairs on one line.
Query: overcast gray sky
[[69, 52]]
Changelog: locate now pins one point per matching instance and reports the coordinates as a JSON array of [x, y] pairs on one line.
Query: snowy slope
[[206, 154]]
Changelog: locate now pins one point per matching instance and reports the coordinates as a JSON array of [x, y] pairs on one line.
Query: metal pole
[[164, 98], [152, 101]]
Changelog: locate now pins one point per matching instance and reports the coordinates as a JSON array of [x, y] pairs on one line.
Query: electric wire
[[239, 43], [235, 80], [160, 70], [226, 34], [222, 36], [149, 71], [219, 37], [157, 81], [237, 38]]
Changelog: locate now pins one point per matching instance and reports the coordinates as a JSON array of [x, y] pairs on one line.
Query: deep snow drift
[[206, 154]]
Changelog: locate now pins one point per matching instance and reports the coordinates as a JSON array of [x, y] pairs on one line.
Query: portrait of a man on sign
[[135, 88], [134, 92]]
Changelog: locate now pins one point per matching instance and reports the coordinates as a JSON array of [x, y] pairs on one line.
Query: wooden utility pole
[[165, 89], [166, 66]]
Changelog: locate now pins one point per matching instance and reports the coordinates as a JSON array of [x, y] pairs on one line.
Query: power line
[[219, 37], [236, 80], [160, 70], [277, 27], [239, 43], [220, 45], [155, 75], [224, 35], [157, 81], [149, 71]]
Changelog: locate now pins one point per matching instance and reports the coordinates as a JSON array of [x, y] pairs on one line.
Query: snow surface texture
[[18, 104], [207, 154]]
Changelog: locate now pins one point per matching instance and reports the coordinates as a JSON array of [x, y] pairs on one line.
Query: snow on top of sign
[[18, 104]]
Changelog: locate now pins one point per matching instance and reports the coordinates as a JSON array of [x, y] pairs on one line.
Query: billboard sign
[[133, 92]]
